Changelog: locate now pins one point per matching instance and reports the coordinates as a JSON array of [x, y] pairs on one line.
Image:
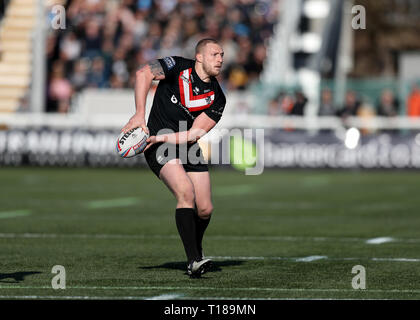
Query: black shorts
[[190, 155]]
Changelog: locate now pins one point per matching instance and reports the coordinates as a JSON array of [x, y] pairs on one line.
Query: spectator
[[96, 76], [351, 105], [286, 104], [119, 66], [326, 107], [229, 45], [92, 39], [237, 75], [365, 113], [274, 106], [79, 77], [116, 82], [281, 104], [413, 102], [60, 88], [70, 47], [299, 104], [255, 62], [387, 105]]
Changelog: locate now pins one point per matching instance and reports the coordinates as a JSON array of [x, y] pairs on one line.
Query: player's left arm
[[201, 125]]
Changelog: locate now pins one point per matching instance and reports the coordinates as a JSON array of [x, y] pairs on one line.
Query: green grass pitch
[[279, 235]]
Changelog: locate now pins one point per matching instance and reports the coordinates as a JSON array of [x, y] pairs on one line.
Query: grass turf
[[114, 232]]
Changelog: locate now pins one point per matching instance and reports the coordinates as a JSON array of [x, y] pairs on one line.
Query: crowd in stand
[[387, 104], [288, 104], [105, 41]]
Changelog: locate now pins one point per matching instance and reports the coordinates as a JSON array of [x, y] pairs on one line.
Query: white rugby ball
[[132, 143]]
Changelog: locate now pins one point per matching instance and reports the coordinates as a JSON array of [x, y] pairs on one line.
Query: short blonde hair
[[203, 42]]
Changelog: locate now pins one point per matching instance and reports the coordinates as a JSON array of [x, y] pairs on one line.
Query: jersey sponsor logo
[[196, 90], [175, 101], [170, 62], [188, 99], [217, 112], [184, 78]]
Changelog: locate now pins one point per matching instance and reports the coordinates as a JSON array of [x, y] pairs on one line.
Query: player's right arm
[[144, 77]]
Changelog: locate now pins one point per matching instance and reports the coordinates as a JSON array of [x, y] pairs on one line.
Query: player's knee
[[205, 212], [186, 197]]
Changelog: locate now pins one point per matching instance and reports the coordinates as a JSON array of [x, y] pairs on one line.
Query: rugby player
[[187, 104]]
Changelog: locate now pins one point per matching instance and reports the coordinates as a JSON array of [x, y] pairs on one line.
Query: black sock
[[185, 222], [200, 228]]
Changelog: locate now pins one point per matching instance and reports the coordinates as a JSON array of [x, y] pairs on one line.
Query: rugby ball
[[131, 143]]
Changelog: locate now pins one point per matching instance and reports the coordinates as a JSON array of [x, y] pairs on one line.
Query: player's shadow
[[217, 266], [16, 276]]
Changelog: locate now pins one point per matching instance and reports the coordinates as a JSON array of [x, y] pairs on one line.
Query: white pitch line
[[299, 259], [380, 240], [166, 297], [40, 297], [313, 258], [85, 236], [396, 259], [112, 203], [214, 237], [248, 298], [270, 298], [36, 297], [14, 214], [218, 289]]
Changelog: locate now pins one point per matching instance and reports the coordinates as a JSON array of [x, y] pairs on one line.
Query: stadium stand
[[106, 41], [15, 59]]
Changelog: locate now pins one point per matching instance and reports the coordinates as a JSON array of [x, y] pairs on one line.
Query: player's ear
[[199, 57]]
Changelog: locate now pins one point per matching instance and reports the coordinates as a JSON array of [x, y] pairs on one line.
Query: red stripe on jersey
[[200, 108], [191, 97], [181, 88]]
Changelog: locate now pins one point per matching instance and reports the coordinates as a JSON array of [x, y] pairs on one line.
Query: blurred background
[[334, 83]]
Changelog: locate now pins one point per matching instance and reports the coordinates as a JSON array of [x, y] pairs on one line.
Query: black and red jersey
[[182, 96]]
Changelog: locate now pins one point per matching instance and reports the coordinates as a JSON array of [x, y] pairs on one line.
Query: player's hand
[[134, 122], [150, 141]]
